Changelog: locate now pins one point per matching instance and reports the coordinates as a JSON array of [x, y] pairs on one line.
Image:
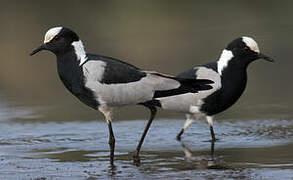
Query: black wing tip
[[205, 87], [204, 84], [204, 81], [193, 80], [195, 85]]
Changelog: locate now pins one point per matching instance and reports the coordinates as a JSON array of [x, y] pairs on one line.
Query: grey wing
[[113, 71], [115, 83]]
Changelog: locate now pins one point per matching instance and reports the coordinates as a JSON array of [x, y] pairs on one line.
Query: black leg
[[212, 149], [111, 143], [179, 134], [153, 110], [213, 134]]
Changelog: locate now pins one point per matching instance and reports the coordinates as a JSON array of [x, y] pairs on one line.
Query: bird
[[105, 83], [229, 74]]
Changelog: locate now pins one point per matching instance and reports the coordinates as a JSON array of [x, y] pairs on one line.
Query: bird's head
[[246, 49], [241, 52], [57, 40]]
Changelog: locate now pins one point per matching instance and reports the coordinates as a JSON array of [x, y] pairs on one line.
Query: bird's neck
[[69, 65], [70, 71], [71, 60], [79, 52], [223, 61], [233, 76], [229, 65], [75, 51]]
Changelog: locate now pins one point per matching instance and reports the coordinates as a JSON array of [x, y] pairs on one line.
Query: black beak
[[40, 48], [267, 58]]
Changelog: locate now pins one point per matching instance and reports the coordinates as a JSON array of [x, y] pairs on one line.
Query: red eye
[[57, 38], [246, 48]]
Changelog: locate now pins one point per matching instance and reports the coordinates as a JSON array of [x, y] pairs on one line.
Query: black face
[[60, 44], [239, 49], [243, 52]]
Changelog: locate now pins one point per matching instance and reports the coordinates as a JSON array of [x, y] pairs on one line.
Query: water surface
[[247, 149]]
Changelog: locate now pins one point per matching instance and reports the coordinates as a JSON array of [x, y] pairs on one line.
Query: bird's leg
[[153, 110], [107, 111], [212, 149], [211, 124], [187, 123], [111, 143], [178, 137], [212, 134]]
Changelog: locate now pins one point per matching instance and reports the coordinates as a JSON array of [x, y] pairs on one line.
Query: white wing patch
[[51, 33], [225, 57]]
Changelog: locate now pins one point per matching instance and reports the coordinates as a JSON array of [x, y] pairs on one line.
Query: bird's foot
[[178, 137], [112, 165], [212, 140], [112, 161], [136, 158]]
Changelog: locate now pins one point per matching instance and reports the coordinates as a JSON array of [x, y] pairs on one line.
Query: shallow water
[[247, 149]]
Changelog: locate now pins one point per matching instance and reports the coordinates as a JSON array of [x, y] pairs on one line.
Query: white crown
[[251, 44], [51, 33]]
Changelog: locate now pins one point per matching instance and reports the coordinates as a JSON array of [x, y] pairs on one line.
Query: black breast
[[233, 86], [71, 74]]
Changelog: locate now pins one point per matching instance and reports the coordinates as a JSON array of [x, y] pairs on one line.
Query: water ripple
[[80, 149]]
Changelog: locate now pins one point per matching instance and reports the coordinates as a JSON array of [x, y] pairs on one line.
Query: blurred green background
[[162, 35]]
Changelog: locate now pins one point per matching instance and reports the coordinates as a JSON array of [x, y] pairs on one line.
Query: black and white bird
[[104, 83], [229, 74]]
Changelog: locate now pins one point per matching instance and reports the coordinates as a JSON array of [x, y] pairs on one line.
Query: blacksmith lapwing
[[104, 83], [230, 76]]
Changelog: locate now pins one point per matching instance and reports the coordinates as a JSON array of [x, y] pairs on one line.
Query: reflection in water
[[204, 162], [60, 150], [72, 156]]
